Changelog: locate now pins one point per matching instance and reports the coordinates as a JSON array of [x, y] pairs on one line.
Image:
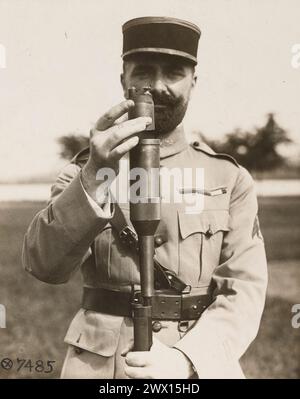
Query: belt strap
[[166, 305], [164, 277]]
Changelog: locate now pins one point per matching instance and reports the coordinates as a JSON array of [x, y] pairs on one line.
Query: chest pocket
[[200, 244]]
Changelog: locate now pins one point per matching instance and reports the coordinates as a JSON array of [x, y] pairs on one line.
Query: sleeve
[[59, 237], [219, 338], [99, 207]]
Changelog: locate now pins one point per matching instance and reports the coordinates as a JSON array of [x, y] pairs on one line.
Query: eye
[[141, 72], [175, 73]]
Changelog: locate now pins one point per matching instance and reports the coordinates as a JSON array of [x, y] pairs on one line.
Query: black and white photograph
[[149, 190]]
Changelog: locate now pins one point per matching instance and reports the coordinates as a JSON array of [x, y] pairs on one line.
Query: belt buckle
[[166, 305]]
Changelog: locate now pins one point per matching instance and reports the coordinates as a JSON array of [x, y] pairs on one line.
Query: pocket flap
[[207, 220], [95, 332]]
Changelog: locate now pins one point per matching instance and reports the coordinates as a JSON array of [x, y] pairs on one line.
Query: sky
[[62, 66]]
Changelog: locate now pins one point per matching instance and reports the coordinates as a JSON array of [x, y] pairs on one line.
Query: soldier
[[218, 251]]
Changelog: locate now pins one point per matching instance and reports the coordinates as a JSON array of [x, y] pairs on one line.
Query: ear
[[195, 77], [194, 81]]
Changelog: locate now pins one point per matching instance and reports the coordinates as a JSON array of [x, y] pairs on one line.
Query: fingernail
[[130, 103]]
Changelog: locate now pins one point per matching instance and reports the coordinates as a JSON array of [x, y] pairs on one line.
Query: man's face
[[171, 80]]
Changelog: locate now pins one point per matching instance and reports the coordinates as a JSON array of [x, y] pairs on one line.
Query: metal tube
[[142, 323], [144, 214], [146, 253]]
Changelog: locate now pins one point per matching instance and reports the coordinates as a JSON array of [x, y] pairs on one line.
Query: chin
[[168, 119], [163, 126], [162, 131]]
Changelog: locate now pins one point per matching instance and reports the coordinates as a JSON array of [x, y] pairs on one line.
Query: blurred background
[[61, 72]]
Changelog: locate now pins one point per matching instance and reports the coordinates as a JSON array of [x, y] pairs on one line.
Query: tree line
[[257, 151]]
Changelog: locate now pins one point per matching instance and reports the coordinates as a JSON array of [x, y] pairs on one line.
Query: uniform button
[[158, 240], [156, 326], [209, 232]]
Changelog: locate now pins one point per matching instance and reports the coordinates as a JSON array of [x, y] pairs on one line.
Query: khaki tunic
[[218, 249]]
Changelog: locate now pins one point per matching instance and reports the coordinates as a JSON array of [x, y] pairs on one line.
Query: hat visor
[[161, 51]]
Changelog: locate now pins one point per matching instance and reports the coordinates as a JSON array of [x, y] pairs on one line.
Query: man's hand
[[110, 140], [160, 362]]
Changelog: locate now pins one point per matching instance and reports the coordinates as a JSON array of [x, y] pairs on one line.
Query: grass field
[[39, 314]]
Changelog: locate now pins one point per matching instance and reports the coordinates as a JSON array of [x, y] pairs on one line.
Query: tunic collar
[[174, 142]]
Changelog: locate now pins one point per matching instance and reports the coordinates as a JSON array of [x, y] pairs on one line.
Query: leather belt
[[166, 305]]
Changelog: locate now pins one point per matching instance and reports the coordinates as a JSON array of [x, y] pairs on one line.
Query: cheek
[[181, 88]]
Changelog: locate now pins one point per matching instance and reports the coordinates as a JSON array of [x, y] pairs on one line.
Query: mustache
[[165, 99]]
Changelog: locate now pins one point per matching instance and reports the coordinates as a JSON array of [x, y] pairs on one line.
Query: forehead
[[156, 59]]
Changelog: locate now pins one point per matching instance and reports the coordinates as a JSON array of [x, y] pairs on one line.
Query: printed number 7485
[[37, 366]]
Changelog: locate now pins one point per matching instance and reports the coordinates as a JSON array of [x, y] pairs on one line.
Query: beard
[[169, 112]]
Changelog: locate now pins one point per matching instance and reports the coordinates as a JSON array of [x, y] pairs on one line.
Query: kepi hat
[[163, 35]]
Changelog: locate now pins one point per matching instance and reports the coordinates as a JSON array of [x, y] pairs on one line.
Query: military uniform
[[217, 251]]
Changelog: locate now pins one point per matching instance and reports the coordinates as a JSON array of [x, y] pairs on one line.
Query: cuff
[[103, 208], [208, 353], [76, 213]]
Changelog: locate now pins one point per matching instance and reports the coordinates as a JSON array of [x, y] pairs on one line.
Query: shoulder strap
[[127, 235], [164, 278], [81, 157], [201, 146]]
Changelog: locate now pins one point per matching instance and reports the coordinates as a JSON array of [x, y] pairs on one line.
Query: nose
[[159, 85]]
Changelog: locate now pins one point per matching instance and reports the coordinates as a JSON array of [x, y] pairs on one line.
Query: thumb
[[157, 345]]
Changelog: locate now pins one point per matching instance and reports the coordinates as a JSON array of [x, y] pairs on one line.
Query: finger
[[138, 372], [108, 119], [137, 359], [128, 348], [122, 119], [118, 133], [126, 146]]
